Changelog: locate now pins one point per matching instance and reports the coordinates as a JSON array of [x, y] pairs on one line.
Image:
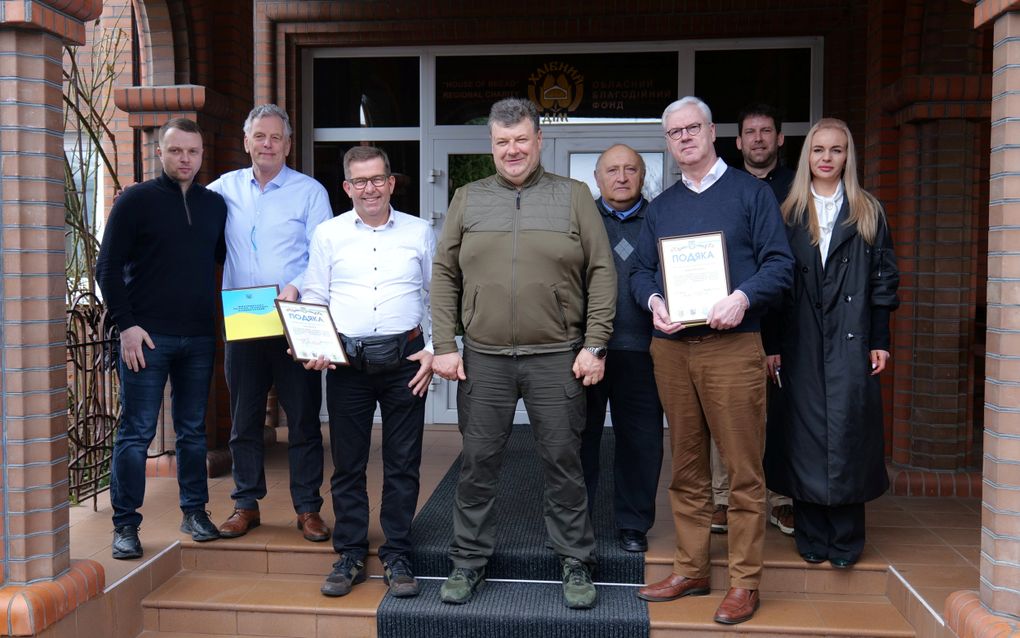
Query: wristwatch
[[599, 351]]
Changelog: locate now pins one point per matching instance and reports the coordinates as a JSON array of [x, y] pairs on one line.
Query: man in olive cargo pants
[[525, 256]]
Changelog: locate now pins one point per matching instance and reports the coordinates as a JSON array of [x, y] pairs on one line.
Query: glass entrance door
[[458, 162]]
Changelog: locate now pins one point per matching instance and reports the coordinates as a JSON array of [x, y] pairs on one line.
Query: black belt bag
[[375, 355]]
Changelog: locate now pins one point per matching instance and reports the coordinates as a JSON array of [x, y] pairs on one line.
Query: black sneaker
[[197, 524], [125, 542], [398, 577], [347, 572]]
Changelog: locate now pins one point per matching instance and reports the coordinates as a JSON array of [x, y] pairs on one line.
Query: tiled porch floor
[[933, 542]]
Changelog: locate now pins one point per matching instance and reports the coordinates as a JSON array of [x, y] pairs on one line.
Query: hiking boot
[[719, 524], [197, 524], [578, 590], [125, 542], [461, 585], [782, 517], [398, 577], [347, 572]]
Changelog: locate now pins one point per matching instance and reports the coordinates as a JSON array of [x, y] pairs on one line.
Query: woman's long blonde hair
[[865, 211]]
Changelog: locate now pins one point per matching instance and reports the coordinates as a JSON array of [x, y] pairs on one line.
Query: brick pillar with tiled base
[[995, 609], [40, 582]]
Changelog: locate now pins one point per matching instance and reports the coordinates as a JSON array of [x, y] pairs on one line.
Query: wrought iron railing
[[93, 397]]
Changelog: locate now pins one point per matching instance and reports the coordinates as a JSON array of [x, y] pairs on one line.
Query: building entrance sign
[[567, 88]]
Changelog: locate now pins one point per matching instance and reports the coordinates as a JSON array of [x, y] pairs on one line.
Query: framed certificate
[[250, 313], [311, 332], [695, 275]]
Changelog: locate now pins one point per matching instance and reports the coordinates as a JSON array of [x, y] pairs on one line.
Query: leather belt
[[698, 338], [413, 333]]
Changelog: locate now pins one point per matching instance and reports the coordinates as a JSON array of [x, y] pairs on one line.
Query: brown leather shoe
[[738, 606], [674, 587], [311, 524], [720, 524], [240, 523]]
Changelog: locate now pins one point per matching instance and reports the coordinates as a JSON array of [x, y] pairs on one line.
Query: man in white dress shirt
[[372, 265]]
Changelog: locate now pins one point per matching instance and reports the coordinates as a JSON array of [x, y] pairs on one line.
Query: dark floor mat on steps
[[513, 610], [521, 551]]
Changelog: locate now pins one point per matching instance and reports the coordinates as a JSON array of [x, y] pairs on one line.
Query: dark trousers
[[252, 367], [188, 363], [629, 389], [351, 396], [831, 531], [486, 402]]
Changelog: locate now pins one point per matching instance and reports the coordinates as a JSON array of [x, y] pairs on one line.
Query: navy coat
[[824, 441]]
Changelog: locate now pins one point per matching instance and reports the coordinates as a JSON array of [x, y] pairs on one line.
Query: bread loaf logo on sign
[[556, 88]]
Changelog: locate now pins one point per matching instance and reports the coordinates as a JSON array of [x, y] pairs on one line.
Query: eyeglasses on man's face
[[361, 182], [678, 132]]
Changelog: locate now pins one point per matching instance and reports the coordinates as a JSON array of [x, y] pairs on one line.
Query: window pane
[[582, 168], [730, 80], [404, 165], [466, 168], [366, 92], [567, 87]]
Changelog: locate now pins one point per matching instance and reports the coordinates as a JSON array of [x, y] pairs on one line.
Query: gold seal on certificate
[[311, 332], [694, 275]]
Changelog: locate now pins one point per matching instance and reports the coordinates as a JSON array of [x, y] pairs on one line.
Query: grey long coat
[[824, 440]]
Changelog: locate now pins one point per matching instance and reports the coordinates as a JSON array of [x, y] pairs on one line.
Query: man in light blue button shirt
[[272, 211]]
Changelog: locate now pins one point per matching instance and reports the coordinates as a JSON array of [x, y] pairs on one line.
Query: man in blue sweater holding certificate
[[711, 376]]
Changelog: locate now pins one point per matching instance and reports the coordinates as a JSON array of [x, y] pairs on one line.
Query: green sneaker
[[461, 585], [578, 590]]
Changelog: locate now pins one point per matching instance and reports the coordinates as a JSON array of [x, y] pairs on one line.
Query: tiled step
[[785, 571], [202, 604], [220, 603], [809, 615], [280, 550]]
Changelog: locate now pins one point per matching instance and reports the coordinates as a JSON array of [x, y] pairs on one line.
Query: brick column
[[1000, 521], [41, 583], [996, 609]]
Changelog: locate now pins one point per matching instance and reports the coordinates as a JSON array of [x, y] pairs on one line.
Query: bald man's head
[[620, 175]]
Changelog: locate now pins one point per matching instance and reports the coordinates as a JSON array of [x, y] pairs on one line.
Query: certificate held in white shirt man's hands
[[694, 275], [311, 332]]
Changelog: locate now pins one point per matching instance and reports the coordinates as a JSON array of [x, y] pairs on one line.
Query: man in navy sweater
[[156, 269], [711, 377], [629, 384]]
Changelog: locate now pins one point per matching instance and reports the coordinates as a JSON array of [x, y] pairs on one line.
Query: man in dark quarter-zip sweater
[[156, 269]]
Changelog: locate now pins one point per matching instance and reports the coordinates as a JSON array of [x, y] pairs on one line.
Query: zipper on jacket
[[187, 211], [513, 280]]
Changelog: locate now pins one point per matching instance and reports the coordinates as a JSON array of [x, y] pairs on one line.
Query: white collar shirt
[[711, 177], [826, 211], [375, 280]]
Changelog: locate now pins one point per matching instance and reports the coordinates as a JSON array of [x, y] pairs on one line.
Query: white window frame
[[427, 131]]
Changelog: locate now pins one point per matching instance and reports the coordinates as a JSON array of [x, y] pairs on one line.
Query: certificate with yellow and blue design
[[250, 313]]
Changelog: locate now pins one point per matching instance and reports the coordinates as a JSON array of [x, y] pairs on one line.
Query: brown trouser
[[713, 389], [721, 486]]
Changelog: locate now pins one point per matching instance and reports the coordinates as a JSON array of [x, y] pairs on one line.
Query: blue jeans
[[188, 363]]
